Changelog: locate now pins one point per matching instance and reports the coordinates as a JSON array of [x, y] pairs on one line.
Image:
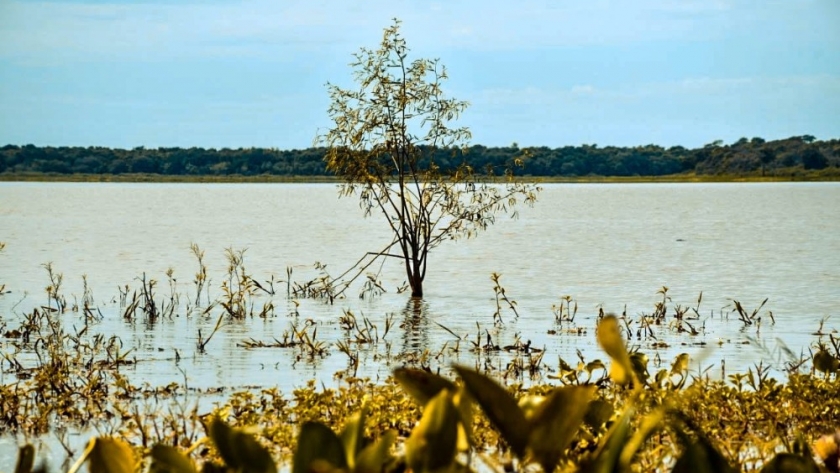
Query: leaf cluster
[[571, 428]]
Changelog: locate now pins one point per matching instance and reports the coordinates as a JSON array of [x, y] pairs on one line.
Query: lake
[[609, 247]]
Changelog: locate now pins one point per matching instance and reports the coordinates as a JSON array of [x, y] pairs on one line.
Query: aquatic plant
[[54, 289], [2, 285], [641, 412], [200, 278], [501, 295], [622, 421]]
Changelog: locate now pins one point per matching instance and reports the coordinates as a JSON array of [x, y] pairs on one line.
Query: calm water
[[605, 245]]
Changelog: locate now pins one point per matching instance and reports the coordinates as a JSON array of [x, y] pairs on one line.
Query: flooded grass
[[64, 380], [748, 418]]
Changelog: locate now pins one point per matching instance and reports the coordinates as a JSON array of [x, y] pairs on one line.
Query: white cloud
[[700, 88], [692, 7], [79, 30], [583, 89], [733, 85]]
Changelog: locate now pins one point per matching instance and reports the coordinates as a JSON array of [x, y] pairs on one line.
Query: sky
[[253, 73]]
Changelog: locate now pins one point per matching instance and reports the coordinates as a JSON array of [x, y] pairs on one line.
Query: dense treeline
[[746, 156]]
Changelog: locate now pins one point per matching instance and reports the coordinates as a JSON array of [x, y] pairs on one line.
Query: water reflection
[[415, 326]]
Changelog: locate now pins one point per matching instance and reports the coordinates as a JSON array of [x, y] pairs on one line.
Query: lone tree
[[391, 144]]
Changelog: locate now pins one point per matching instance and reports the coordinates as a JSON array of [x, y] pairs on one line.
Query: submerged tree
[[388, 144]]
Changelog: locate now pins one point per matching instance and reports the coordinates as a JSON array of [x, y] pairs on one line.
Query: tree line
[[745, 156]]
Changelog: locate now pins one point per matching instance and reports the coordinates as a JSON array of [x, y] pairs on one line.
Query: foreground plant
[[608, 415], [571, 428]]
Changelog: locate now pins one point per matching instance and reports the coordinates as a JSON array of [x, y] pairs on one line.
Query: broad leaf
[[422, 385], [317, 443], [110, 455], [555, 423], [598, 413], [595, 365], [650, 424], [609, 337], [639, 361], [680, 365], [530, 404], [373, 458], [463, 402], [432, 444], [825, 362], [167, 459], [608, 453], [500, 407], [700, 456], [240, 450], [352, 436]]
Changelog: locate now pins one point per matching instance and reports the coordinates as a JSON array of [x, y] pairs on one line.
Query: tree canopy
[[741, 157], [387, 135]]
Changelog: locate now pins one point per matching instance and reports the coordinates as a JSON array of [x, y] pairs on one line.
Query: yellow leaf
[[609, 337], [111, 455]]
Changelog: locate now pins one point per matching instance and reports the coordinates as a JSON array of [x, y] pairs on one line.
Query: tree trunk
[[415, 277], [416, 283]]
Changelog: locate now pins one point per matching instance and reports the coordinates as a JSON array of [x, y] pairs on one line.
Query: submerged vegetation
[[424, 422], [473, 404]]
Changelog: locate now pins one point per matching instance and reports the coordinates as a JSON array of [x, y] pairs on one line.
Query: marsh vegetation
[[474, 402], [149, 354], [574, 388]]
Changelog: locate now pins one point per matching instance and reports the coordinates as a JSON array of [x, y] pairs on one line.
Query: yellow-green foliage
[[424, 422]]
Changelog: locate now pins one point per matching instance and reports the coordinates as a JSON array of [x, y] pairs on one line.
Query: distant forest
[[746, 156]]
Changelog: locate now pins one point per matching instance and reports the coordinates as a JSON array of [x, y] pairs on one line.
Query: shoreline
[[832, 176]]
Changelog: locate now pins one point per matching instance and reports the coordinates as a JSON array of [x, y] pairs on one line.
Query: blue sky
[[248, 73]]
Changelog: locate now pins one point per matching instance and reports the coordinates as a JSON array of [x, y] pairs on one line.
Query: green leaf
[[240, 450], [529, 404], [432, 444], [598, 413], [110, 455], [609, 337], [700, 456], [790, 463], [825, 362], [661, 376], [500, 407], [639, 361], [680, 365], [317, 443], [25, 459], [463, 402], [373, 458], [555, 423], [605, 459], [168, 459], [352, 436], [594, 365], [650, 424], [422, 385]]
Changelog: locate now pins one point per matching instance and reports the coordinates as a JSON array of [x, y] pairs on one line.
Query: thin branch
[[376, 255]]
